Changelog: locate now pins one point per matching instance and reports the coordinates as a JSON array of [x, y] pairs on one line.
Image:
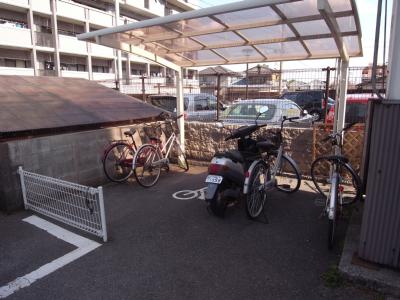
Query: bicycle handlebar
[[333, 136]]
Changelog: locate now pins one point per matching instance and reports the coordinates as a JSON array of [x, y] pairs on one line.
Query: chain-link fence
[[237, 98]]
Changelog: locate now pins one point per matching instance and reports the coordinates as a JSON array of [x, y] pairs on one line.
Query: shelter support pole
[[180, 109], [340, 108], [280, 77], [393, 86], [247, 81], [218, 94]]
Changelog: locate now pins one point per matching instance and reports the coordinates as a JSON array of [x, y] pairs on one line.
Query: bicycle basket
[[169, 128], [152, 131]]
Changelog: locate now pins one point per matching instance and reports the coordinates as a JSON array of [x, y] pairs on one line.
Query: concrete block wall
[[204, 139], [74, 157]]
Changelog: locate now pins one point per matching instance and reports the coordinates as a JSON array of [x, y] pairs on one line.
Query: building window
[[48, 65], [12, 23], [146, 4], [100, 69], [168, 11]]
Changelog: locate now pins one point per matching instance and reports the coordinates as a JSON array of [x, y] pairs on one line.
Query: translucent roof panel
[[340, 5], [226, 39], [180, 44], [299, 9], [196, 26], [279, 51], [203, 56], [322, 47], [239, 32], [249, 16], [153, 33], [267, 33], [351, 44], [346, 24], [240, 53], [312, 27]]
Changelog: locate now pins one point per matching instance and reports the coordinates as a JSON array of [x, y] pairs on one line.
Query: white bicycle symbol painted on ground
[[190, 194]]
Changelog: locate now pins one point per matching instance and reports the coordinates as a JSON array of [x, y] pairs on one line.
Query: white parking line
[[83, 245]]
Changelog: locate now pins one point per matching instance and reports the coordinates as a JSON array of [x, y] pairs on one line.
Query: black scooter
[[228, 170]]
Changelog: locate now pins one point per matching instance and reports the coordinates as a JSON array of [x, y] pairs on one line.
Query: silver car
[[201, 107], [245, 111]]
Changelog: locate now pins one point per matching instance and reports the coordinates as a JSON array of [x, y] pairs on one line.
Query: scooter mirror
[[219, 124], [305, 112], [263, 110]]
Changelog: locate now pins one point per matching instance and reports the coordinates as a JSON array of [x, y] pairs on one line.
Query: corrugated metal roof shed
[[43, 105]]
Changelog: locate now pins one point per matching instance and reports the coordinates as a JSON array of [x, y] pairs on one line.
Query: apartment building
[[38, 37]]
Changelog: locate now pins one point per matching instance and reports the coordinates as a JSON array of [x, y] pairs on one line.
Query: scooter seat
[[234, 155], [266, 146]]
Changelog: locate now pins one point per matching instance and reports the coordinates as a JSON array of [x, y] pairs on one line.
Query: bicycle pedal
[[319, 202]]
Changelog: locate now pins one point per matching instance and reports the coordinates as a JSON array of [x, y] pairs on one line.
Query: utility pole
[[327, 83]]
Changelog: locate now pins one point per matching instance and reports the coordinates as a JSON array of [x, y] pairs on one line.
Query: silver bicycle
[[337, 182], [275, 170], [151, 158]]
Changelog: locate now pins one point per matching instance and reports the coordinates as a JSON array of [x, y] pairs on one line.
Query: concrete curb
[[373, 276]]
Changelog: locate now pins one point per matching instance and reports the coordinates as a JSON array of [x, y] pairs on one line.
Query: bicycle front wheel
[[117, 163], [332, 207], [349, 182], [257, 196], [181, 157], [288, 177], [147, 166]]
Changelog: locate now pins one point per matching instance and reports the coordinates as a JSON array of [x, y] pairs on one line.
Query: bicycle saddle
[[130, 132], [340, 158]]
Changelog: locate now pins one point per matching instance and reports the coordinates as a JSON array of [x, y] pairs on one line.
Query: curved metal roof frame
[[252, 31]]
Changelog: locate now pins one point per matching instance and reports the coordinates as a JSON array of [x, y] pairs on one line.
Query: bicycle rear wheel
[[349, 182], [147, 167], [257, 196], [181, 157], [117, 163], [288, 177]]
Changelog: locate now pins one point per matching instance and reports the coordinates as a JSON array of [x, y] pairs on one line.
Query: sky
[[367, 11]]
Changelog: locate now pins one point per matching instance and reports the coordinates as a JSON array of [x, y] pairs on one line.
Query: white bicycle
[[151, 158]]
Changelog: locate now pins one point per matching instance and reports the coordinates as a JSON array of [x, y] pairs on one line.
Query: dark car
[[311, 100]]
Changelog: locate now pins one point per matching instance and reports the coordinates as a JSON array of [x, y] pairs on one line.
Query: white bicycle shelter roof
[[242, 32]]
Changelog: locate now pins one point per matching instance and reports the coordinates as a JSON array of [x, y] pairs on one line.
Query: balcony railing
[[47, 72], [44, 39], [15, 36], [71, 44]]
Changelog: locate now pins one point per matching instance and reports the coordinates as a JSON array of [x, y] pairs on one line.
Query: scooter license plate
[[214, 179]]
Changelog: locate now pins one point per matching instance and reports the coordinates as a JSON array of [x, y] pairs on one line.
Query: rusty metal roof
[[48, 104]]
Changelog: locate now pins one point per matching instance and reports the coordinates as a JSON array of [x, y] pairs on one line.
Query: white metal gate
[[74, 204]]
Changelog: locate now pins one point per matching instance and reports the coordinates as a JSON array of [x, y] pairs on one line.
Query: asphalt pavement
[[164, 248]]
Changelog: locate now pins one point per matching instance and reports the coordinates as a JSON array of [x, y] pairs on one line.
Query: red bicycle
[[118, 158]]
